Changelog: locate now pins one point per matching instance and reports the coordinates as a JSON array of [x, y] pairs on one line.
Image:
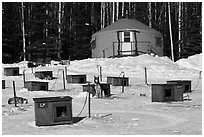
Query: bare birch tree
[[150, 14], [59, 30], [170, 31], [23, 30], [179, 30]]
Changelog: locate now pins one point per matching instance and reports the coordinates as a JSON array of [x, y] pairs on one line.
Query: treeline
[[62, 30]]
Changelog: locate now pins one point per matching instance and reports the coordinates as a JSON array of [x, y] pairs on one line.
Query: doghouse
[[53, 110], [105, 87], [89, 88], [36, 85], [11, 71], [31, 64], [118, 81], [76, 79], [3, 84], [167, 92], [185, 83], [44, 74]]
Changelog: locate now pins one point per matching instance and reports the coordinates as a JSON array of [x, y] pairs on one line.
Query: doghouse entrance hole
[[168, 93], [15, 72], [124, 83], [82, 80], [61, 111], [187, 88], [42, 87]]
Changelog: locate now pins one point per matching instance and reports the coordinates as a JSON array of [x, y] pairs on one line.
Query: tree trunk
[[170, 31], [150, 14], [23, 30], [59, 31], [117, 10], [123, 9], [179, 30], [113, 14]]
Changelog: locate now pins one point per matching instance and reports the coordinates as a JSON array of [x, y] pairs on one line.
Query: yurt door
[[127, 47]]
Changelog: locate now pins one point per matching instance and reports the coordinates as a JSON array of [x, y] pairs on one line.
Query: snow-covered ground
[[122, 113]]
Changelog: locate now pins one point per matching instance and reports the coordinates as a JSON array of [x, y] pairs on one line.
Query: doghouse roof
[[126, 24]]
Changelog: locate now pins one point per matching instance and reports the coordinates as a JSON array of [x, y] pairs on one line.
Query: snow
[[192, 62], [122, 113]]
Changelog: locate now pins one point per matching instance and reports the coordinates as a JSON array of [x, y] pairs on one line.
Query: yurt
[[126, 37]]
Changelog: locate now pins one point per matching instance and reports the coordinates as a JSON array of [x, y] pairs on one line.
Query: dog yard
[[129, 113]]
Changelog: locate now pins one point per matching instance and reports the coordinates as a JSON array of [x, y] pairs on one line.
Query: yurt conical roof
[[126, 24]]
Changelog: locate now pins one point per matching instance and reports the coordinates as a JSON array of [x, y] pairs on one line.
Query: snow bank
[[192, 62]]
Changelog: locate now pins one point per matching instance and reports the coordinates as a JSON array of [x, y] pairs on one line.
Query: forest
[[63, 30]]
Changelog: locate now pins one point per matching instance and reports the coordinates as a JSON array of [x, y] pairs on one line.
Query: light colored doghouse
[[53, 110]]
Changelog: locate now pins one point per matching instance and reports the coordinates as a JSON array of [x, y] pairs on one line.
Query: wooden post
[[24, 78], [63, 79], [123, 83], [66, 72], [100, 72], [146, 76], [89, 101], [14, 91]]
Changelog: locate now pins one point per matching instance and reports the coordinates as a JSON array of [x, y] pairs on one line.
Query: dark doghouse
[[105, 89], [118, 81], [167, 92], [31, 64], [53, 110], [76, 79], [185, 83], [11, 71], [36, 85], [3, 84], [89, 88], [44, 74]]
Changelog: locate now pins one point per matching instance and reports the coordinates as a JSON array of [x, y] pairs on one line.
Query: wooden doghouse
[[3, 84], [76, 79], [105, 87], [44, 74], [31, 64], [89, 88], [11, 71], [185, 83], [167, 92], [36, 85], [53, 110], [118, 81]]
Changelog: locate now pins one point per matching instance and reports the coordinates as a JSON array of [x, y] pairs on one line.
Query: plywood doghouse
[[53, 110], [36, 85], [76, 79], [185, 83], [44, 74], [11, 71], [118, 81], [89, 88], [3, 84], [167, 92], [105, 87]]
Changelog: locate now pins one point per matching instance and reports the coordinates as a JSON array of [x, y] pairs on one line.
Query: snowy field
[[125, 113]]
